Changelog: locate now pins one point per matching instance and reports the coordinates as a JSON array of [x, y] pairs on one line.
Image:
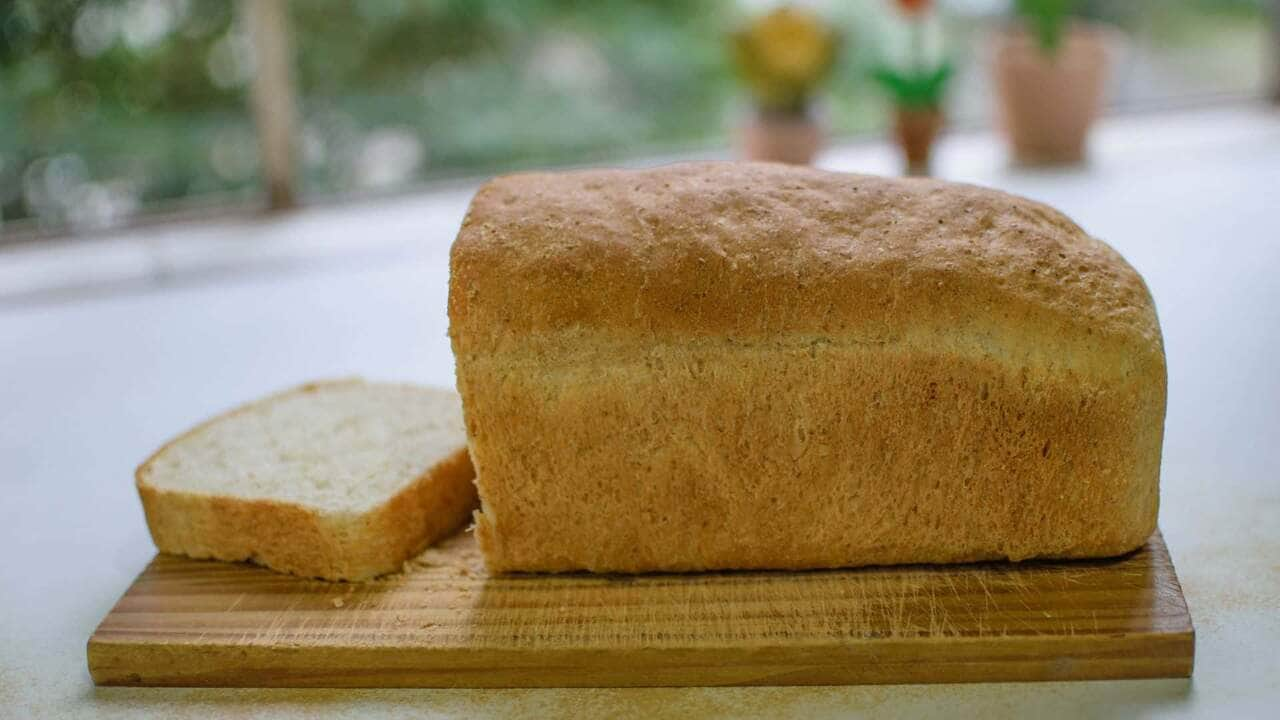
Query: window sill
[[384, 229]]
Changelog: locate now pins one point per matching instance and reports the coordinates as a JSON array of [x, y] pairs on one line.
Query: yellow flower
[[783, 56]]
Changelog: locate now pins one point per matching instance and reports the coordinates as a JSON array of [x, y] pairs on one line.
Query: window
[[114, 108]]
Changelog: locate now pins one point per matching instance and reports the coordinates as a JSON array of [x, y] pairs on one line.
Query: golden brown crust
[[808, 457], [750, 249], [296, 539], [754, 366]]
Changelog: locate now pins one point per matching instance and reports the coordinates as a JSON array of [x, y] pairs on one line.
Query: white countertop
[[92, 380]]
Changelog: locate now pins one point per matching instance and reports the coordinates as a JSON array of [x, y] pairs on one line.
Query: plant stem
[[917, 45]]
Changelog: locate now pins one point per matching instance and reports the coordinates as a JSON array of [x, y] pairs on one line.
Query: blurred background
[[115, 111]]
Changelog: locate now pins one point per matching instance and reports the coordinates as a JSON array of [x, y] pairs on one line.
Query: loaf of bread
[[714, 366], [342, 480]]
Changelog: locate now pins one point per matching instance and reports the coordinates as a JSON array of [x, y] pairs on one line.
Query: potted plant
[[783, 57], [1050, 71], [917, 91]]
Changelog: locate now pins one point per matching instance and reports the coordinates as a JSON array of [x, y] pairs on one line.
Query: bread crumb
[[338, 602], [417, 563]]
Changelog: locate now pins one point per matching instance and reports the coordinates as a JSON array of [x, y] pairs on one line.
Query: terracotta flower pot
[[915, 129], [793, 139], [1047, 102]]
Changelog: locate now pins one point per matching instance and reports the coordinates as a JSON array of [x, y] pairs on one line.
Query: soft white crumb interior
[[342, 447]]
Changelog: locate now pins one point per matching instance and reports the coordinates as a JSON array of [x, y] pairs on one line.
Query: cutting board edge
[[1167, 654]]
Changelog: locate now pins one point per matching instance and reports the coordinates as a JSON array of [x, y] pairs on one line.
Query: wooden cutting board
[[445, 623]]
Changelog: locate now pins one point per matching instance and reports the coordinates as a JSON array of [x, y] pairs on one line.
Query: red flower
[[913, 7]]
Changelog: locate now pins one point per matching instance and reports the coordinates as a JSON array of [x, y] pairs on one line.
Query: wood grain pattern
[[446, 623]]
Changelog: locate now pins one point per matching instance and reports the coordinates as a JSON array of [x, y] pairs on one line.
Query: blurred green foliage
[[140, 108], [487, 84]]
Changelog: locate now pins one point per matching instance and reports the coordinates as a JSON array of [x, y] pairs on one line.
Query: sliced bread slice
[[342, 480]]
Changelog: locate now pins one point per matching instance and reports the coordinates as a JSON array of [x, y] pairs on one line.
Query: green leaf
[[1048, 19], [914, 89]]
